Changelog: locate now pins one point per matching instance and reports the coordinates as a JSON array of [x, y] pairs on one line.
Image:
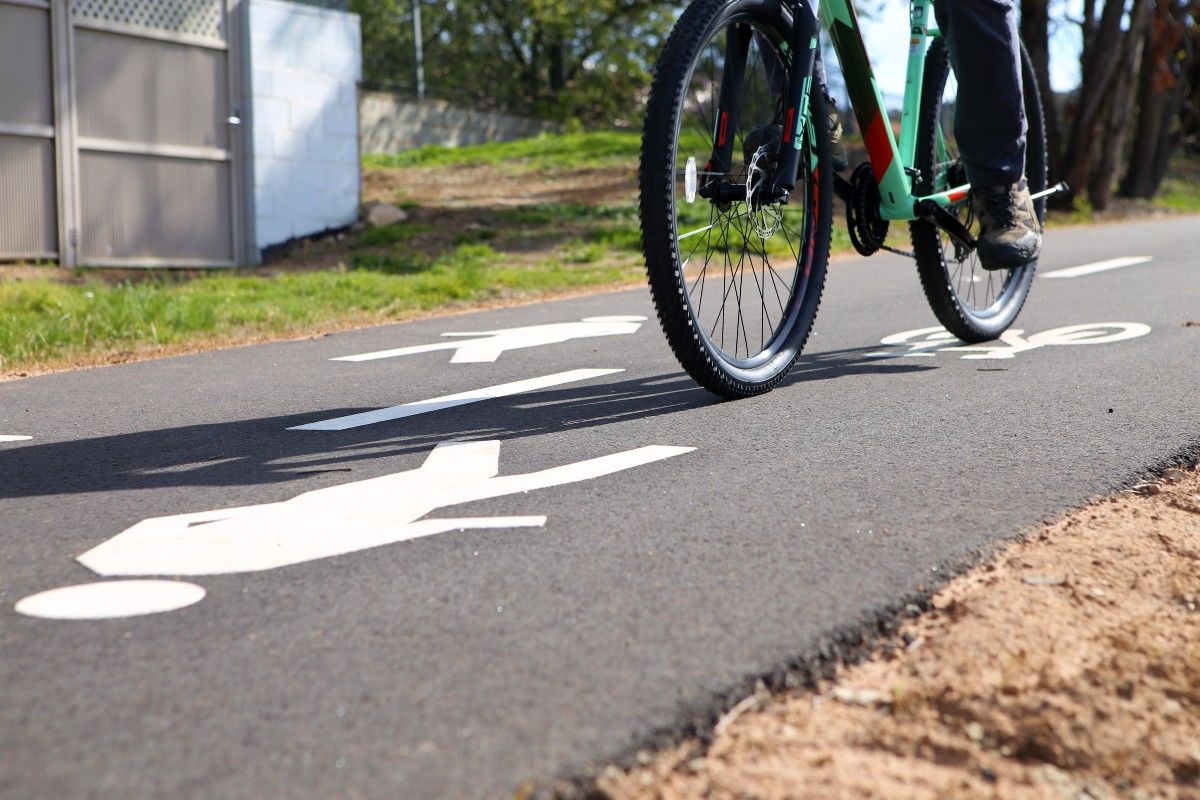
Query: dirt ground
[[487, 185], [1068, 666]]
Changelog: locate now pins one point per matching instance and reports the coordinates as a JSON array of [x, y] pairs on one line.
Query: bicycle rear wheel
[[736, 281], [972, 303]]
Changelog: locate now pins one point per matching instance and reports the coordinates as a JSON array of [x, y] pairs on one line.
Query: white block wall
[[305, 64]]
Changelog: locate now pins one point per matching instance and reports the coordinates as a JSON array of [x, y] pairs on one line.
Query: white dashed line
[[14, 438], [1098, 266]]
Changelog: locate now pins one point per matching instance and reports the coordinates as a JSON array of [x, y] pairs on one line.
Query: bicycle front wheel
[[974, 304], [736, 278]]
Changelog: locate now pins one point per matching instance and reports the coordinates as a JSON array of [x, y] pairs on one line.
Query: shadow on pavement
[[263, 451]]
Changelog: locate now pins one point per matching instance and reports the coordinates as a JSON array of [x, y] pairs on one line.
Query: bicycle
[[736, 159]]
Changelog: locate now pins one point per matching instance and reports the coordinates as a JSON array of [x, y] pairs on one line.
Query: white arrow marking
[[343, 519], [452, 400], [14, 438], [488, 345], [1098, 266]]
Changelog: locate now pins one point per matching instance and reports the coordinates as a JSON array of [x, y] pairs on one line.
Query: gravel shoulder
[[1067, 665]]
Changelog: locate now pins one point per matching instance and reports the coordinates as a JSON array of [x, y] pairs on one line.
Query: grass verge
[[47, 323], [550, 151]]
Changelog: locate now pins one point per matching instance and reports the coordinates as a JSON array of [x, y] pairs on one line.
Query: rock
[[1043, 580], [1148, 488], [868, 698], [1187, 505], [377, 214], [1174, 475]]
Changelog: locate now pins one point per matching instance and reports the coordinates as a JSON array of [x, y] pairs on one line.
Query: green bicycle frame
[[891, 162]]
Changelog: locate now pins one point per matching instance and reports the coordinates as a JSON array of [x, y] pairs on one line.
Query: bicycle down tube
[[891, 162]]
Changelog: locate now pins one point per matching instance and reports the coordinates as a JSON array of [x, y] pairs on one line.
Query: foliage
[[584, 62], [1138, 102]]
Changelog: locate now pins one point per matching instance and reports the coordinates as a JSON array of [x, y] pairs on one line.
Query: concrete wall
[[305, 64], [390, 124]]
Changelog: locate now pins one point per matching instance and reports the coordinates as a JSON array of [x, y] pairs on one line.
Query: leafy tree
[[588, 62]]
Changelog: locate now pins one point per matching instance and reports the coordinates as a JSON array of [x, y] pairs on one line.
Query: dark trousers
[[989, 123]]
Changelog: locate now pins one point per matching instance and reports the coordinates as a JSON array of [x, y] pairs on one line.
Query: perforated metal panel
[[141, 90], [138, 207], [28, 214], [191, 17], [28, 224], [25, 94]]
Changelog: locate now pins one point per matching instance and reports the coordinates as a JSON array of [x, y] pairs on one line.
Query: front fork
[[799, 92], [803, 48]]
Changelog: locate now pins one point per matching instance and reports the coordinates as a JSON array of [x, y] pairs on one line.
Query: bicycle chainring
[[868, 230]]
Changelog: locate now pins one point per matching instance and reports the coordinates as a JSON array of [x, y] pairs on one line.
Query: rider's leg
[[990, 126], [990, 113]]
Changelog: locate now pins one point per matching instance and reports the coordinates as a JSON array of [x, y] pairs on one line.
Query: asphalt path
[[461, 663]]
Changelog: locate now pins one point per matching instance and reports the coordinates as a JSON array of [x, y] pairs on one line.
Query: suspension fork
[[737, 45], [803, 47], [796, 117]]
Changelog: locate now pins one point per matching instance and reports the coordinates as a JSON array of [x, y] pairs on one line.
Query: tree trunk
[[1118, 107], [1035, 33], [1189, 115], [1097, 71], [1161, 90]]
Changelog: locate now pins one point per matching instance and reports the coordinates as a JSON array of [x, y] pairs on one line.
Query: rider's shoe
[[1010, 235]]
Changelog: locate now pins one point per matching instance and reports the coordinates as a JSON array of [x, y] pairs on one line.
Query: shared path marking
[[364, 514], [7, 437], [927, 342]]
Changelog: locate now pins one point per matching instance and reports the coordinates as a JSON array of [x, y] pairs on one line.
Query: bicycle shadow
[[262, 451]]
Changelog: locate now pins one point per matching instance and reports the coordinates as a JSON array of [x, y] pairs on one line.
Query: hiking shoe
[[1010, 235]]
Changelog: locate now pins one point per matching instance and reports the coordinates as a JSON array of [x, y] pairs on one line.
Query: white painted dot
[[8, 437], [110, 599]]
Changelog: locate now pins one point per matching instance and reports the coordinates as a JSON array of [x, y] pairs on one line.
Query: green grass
[[549, 151], [1179, 194], [46, 321], [390, 234]]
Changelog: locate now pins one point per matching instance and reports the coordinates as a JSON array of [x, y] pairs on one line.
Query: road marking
[[487, 346], [453, 400], [14, 438], [927, 342], [111, 599], [344, 519], [1098, 266]]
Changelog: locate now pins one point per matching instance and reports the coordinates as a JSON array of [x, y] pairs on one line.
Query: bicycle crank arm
[[1061, 186], [930, 211], [842, 188]]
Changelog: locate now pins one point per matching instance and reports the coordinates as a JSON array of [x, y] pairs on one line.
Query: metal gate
[[118, 137]]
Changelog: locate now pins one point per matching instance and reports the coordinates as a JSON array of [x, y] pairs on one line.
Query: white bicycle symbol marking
[[928, 342]]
